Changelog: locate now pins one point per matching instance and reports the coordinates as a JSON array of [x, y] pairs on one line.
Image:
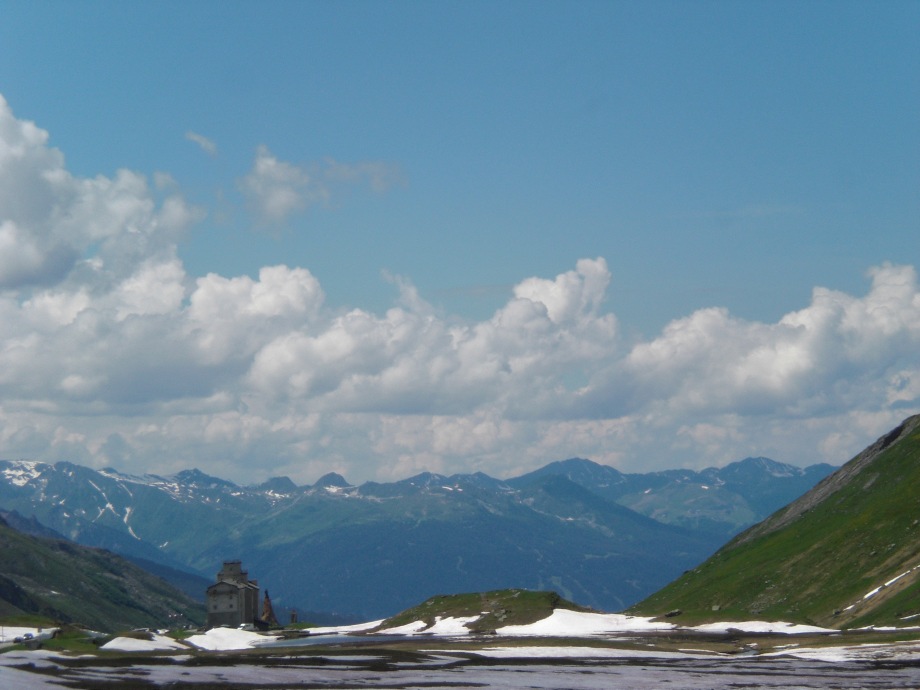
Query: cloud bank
[[111, 354]]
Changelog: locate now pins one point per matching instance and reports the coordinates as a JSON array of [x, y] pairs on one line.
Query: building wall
[[249, 603], [225, 605], [233, 599]]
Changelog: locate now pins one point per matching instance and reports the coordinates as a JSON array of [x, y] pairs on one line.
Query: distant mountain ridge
[[721, 500], [576, 527], [845, 554]]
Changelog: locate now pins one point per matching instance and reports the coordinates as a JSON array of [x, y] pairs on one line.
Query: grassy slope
[[495, 609], [71, 583], [855, 531]]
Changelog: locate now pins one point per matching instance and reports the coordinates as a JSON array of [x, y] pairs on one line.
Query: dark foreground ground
[[635, 664]]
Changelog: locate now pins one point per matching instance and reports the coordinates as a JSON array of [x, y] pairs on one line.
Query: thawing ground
[[568, 650], [530, 668]]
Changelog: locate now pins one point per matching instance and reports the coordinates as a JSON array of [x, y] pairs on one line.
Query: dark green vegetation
[[817, 559], [367, 551], [63, 582], [493, 610]]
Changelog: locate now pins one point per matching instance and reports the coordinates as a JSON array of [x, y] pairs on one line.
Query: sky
[[292, 238]]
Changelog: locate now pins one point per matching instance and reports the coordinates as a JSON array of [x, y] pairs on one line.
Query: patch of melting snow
[[407, 629], [762, 627], [159, 643], [227, 639], [871, 593], [897, 651], [581, 653], [451, 626], [577, 623], [448, 626], [344, 629], [565, 623]]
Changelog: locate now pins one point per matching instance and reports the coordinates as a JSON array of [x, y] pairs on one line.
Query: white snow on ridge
[[441, 626], [762, 627], [21, 472], [159, 643], [344, 629], [567, 623], [407, 629], [225, 639]]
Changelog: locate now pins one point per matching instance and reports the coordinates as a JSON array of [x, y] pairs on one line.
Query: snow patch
[[159, 643], [565, 623], [872, 592], [226, 639], [407, 629], [583, 653], [762, 627], [344, 629], [22, 472], [900, 651], [441, 626]]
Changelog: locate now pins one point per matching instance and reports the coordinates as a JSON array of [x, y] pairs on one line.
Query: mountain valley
[[367, 551]]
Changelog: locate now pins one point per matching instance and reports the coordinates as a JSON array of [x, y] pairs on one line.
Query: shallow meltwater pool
[[394, 669]]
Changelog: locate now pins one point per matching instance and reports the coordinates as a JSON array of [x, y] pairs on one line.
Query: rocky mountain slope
[[846, 554], [374, 549], [76, 584]]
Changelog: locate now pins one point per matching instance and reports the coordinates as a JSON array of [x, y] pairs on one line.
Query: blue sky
[[418, 164]]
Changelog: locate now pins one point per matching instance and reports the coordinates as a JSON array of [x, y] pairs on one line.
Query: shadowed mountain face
[[71, 583], [845, 554], [598, 537]]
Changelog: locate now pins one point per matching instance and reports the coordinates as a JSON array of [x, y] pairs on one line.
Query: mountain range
[[600, 537], [846, 554]]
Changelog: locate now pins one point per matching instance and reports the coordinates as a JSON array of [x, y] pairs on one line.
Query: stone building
[[234, 599]]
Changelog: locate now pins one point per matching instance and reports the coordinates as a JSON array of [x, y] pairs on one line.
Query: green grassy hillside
[[816, 560], [68, 583], [494, 609]]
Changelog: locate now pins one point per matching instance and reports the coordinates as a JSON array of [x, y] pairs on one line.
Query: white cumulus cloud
[[110, 353]]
